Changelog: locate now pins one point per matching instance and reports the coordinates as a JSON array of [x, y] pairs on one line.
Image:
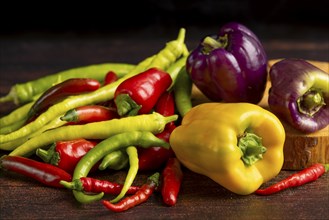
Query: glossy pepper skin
[[58, 92], [66, 154], [154, 157], [300, 94], [238, 145], [44, 173], [230, 66], [140, 93]]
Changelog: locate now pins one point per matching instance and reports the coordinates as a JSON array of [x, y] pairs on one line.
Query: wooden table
[[28, 56]]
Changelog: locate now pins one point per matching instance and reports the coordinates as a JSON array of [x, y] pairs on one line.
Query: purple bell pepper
[[300, 94], [230, 66]]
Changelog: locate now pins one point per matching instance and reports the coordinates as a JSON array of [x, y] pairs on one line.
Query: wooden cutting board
[[300, 150]]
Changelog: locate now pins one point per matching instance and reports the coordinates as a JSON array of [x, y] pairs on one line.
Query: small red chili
[[88, 184], [44, 173], [154, 157], [110, 77], [142, 195], [304, 176], [140, 93], [89, 113], [60, 91], [166, 106], [66, 154], [172, 176]]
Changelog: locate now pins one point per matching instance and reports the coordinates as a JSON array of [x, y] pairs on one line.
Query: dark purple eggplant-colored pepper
[[300, 94], [230, 66]]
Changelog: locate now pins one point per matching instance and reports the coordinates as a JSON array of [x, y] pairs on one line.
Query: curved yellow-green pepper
[[238, 145]]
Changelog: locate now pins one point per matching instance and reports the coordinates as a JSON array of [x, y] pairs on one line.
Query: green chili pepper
[[119, 141], [132, 172], [174, 69], [182, 92], [173, 50], [116, 160], [24, 92], [12, 127], [11, 145], [18, 114], [154, 122], [101, 95]]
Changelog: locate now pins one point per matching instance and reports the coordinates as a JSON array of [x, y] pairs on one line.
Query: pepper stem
[[75, 184], [70, 116], [252, 148], [311, 102], [210, 43], [48, 156], [126, 106]]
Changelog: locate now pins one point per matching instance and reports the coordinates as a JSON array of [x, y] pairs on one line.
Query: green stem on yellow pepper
[[251, 147]]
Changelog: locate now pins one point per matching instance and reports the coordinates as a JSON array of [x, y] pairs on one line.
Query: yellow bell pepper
[[238, 145]]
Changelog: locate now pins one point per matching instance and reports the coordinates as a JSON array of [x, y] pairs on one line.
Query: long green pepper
[[24, 92], [154, 123], [101, 95], [122, 140], [18, 114], [116, 160], [11, 145], [183, 92], [132, 172], [173, 51]]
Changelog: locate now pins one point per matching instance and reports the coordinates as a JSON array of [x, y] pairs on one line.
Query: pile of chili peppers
[[121, 121], [120, 116]]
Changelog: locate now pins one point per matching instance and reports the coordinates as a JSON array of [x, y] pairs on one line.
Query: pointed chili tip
[[181, 35]]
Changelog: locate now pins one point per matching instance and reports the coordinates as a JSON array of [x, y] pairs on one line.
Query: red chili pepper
[[154, 157], [142, 195], [140, 93], [60, 91], [110, 77], [172, 176], [88, 184], [304, 176], [66, 154], [44, 173], [89, 113]]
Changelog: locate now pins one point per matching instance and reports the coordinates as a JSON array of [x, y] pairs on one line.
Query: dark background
[[162, 17]]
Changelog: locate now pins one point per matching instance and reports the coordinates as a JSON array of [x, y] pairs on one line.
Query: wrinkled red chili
[[154, 157], [88, 184], [89, 113], [44, 173], [60, 91], [302, 177], [172, 177], [66, 154], [140, 93], [142, 195]]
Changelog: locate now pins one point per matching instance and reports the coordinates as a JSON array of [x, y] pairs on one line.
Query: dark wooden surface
[[26, 56]]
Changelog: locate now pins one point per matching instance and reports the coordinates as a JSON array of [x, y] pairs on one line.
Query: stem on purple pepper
[[311, 102], [210, 43]]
